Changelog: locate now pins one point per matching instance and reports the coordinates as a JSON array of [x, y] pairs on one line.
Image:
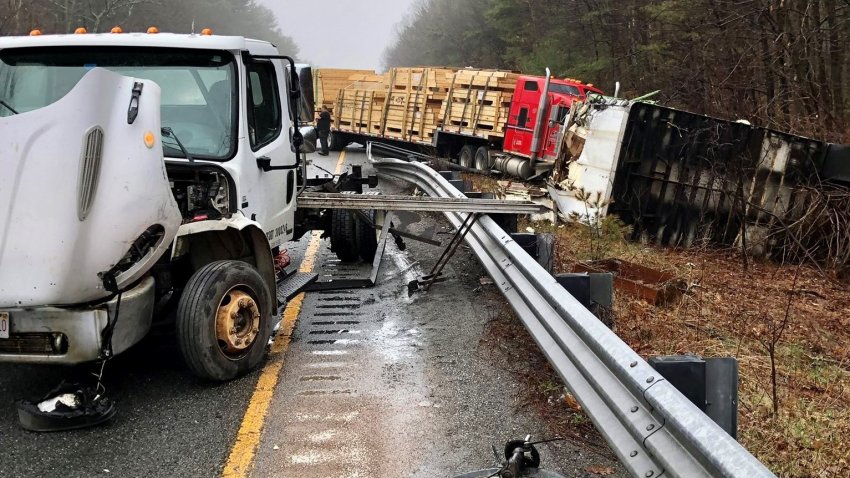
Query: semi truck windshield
[[564, 89], [199, 88]]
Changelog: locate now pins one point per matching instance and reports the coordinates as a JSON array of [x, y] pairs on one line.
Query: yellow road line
[[340, 162], [242, 454], [250, 431]]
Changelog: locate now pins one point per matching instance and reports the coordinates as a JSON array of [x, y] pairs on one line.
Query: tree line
[[777, 63], [226, 17]]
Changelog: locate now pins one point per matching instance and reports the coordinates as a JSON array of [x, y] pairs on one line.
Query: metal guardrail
[[654, 430]]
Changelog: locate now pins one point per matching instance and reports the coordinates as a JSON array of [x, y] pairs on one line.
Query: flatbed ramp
[[310, 200]]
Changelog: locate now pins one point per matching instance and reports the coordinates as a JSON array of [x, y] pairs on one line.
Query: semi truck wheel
[[224, 320], [482, 159], [343, 235], [336, 141], [466, 158], [367, 237]]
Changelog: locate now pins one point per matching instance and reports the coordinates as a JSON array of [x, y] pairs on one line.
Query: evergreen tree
[[779, 63]]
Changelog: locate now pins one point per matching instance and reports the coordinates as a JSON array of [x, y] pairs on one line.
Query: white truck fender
[[250, 230], [237, 222]]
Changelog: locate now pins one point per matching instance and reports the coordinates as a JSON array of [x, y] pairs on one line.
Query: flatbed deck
[[312, 200]]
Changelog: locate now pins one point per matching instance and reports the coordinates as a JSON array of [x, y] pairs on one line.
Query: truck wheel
[[367, 237], [467, 156], [343, 235], [224, 320], [336, 141], [483, 161]]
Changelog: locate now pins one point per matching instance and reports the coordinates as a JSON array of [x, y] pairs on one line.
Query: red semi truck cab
[[523, 117]]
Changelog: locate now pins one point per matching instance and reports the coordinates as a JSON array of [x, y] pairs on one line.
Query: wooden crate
[[410, 104], [479, 102], [359, 111], [328, 82], [416, 97], [493, 80], [404, 105]]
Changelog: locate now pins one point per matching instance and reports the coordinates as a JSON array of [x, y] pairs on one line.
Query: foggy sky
[[340, 33]]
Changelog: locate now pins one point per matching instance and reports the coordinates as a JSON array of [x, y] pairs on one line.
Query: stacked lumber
[[410, 104], [479, 102], [405, 104], [327, 83], [359, 107], [415, 100]]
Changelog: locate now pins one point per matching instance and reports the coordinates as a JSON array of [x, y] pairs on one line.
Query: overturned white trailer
[[681, 178]]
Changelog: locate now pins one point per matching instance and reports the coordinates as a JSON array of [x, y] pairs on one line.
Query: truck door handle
[[265, 163]]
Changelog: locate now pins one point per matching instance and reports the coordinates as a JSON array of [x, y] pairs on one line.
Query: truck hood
[[79, 187]]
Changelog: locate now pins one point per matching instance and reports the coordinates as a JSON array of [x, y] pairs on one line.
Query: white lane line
[[327, 417], [326, 365], [347, 455], [323, 437], [330, 352]]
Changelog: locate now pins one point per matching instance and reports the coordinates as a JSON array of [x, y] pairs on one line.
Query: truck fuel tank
[[514, 166]]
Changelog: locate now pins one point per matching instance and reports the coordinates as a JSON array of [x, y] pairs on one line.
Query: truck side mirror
[[308, 101]]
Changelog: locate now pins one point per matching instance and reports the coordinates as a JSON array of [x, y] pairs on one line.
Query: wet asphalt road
[[374, 384]]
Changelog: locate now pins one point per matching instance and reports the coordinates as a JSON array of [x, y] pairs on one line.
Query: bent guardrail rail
[[654, 430]]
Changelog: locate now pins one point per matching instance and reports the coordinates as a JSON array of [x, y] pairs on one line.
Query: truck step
[[293, 285]]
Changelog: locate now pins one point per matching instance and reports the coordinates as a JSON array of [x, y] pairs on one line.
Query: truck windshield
[[198, 88], [564, 89]]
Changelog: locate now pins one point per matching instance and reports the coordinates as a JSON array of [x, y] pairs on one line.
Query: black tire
[[483, 161], [367, 237], [466, 157], [343, 235], [337, 141], [197, 312]]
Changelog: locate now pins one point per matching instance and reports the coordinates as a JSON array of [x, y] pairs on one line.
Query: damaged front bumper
[[71, 335]]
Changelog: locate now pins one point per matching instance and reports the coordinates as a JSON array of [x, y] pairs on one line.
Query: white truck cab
[[143, 175]]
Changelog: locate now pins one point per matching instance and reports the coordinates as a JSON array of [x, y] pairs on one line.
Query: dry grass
[[480, 182], [725, 313]]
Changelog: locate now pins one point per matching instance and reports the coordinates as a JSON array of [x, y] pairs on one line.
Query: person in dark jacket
[[323, 127]]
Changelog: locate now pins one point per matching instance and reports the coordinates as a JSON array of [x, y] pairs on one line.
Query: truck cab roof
[[157, 40]]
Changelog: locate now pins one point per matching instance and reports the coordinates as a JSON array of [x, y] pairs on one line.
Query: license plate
[[5, 325]]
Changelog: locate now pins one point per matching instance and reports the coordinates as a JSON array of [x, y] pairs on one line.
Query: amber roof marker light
[[35, 33], [80, 31], [116, 29], [206, 32], [153, 30]]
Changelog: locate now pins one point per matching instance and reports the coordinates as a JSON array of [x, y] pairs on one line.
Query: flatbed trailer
[[481, 119]]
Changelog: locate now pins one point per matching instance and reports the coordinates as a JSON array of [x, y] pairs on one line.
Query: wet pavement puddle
[[339, 401]]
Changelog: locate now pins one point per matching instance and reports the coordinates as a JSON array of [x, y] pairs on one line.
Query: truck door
[[552, 134], [522, 118], [268, 139]]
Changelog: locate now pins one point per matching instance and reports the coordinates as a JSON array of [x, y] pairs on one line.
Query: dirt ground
[[799, 312]]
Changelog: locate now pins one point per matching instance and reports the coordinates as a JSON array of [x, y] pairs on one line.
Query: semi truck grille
[[34, 344], [89, 171]]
